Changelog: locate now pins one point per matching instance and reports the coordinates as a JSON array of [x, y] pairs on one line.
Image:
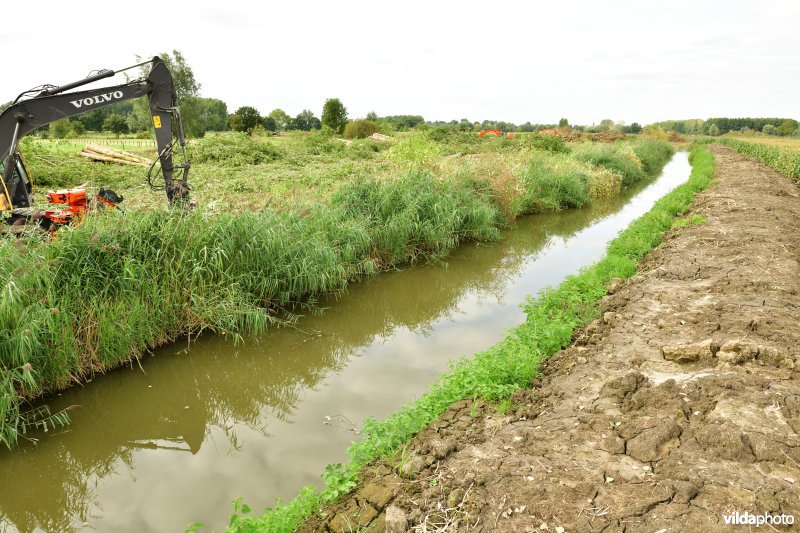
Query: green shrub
[[550, 143], [360, 129], [234, 149]]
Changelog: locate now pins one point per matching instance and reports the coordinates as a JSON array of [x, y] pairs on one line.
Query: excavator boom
[[53, 103]]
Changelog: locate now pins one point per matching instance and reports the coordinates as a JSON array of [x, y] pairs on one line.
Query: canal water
[[171, 442]]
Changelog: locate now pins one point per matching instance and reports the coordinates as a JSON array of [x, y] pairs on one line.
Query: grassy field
[[277, 225]]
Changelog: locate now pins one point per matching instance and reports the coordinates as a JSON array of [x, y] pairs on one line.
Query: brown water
[[173, 442]]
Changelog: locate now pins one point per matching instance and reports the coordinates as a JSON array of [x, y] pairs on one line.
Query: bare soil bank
[[681, 405]]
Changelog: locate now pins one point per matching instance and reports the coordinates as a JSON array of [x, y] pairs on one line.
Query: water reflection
[[175, 441]]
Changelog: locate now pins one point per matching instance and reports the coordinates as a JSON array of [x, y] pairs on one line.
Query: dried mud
[[680, 405]]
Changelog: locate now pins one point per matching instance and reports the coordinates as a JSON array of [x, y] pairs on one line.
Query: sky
[[629, 61]]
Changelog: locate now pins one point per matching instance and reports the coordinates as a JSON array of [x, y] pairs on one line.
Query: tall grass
[[508, 366]]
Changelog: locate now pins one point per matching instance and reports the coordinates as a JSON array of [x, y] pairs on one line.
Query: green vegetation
[[360, 129], [495, 374], [334, 115], [116, 285], [723, 125]]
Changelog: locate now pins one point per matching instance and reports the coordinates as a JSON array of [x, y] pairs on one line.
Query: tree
[[213, 114], [334, 114], [115, 124], [769, 129], [713, 130], [246, 118], [186, 88], [787, 127], [563, 123], [372, 116], [282, 119], [635, 127], [59, 129], [269, 124], [306, 121]]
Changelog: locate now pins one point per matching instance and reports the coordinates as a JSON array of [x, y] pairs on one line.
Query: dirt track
[[681, 405]]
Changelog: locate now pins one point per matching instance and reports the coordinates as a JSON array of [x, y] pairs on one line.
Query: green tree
[[76, 128], [372, 116], [769, 129], [115, 124], [247, 118], [713, 130], [282, 119], [563, 123], [186, 88], [213, 114], [59, 129], [334, 115], [269, 124], [787, 127], [635, 127], [306, 121]]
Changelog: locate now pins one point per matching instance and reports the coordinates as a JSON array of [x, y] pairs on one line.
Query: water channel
[[157, 447]]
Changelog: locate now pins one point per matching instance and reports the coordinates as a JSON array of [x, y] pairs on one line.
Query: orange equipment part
[[76, 199], [496, 132]]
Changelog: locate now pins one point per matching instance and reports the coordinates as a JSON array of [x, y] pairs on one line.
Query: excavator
[[42, 105]]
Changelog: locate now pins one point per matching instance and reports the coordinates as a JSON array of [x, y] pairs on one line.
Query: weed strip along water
[[495, 374]]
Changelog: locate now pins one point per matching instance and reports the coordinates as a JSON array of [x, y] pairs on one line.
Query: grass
[[117, 285], [495, 374]]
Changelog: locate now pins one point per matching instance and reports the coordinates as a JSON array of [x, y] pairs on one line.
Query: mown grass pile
[[113, 287], [510, 365]]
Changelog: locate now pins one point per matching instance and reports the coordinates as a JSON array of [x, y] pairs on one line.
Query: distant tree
[[769, 129], [306, 121], [465, 125], [786, 127], [282, 120], [713, 130], [269, 124], [563, 123], [212, 114], [115, 124], [334, 114], [76, 128], [248, 118], [235, 122], [372, 116], [635, 127], [186, 88], [606, 124], [59, 129]]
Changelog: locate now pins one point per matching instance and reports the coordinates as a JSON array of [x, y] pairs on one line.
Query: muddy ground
[[681, 405]]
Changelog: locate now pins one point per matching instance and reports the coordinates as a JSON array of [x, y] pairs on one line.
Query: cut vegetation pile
[[106, 291]]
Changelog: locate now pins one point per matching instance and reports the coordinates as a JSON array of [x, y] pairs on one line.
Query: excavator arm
[[53, 103]]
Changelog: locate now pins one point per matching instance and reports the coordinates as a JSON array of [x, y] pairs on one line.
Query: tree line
[[722, 125]]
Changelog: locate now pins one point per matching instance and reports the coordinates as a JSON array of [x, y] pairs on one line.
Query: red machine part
[[496, 132]]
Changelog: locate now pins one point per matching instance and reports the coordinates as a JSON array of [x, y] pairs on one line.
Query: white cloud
[[632, 61]]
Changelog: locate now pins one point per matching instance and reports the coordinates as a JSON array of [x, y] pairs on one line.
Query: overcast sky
[[631, 61]]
